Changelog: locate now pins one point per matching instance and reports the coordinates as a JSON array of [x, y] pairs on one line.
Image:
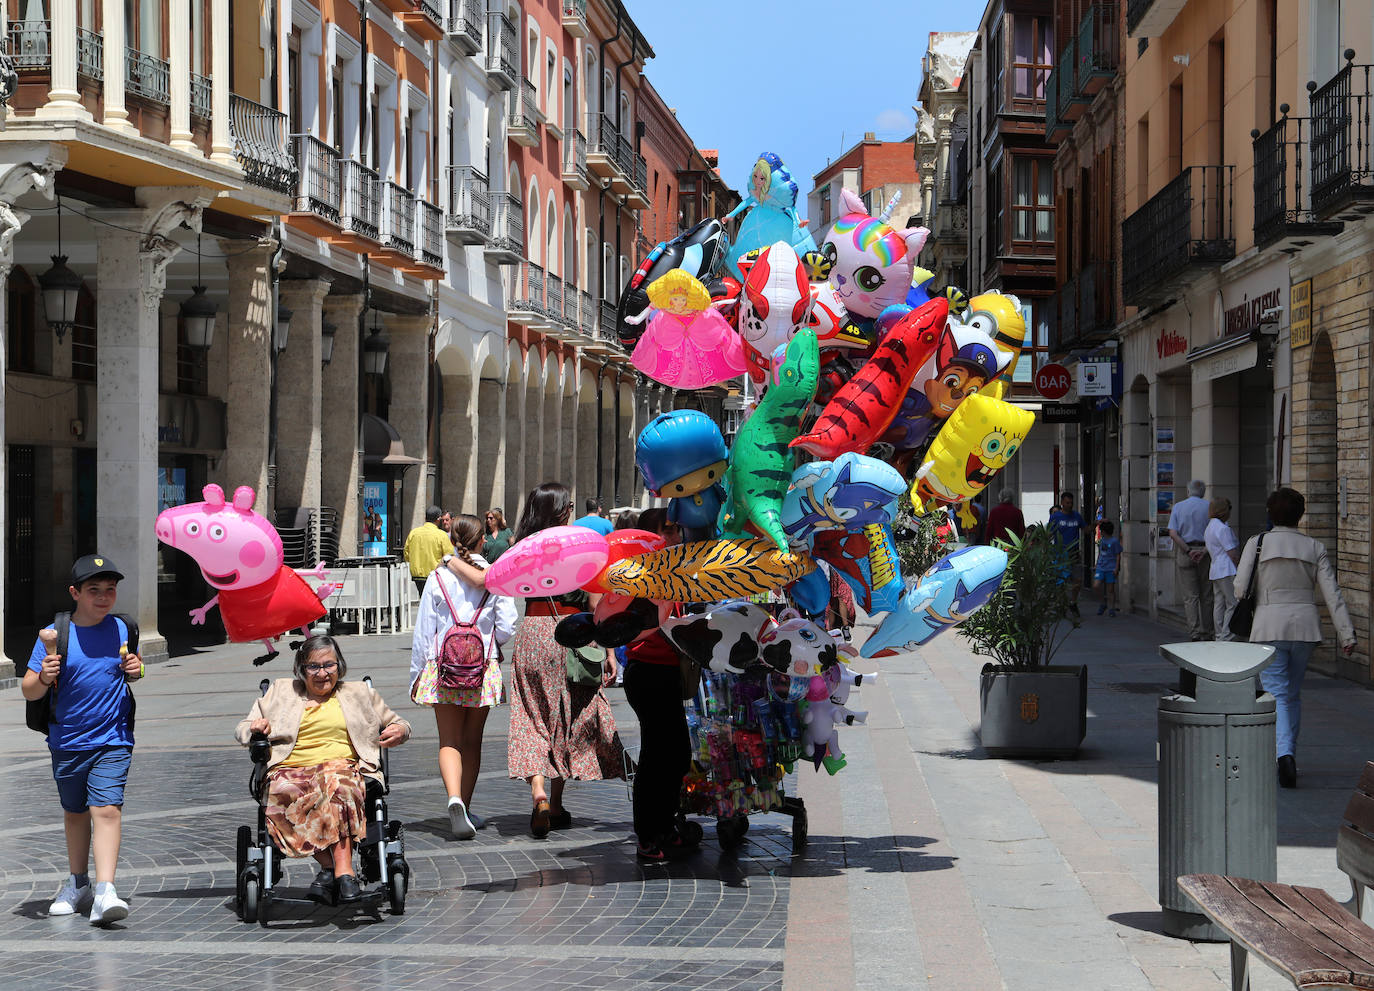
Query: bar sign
[[1300, 322]]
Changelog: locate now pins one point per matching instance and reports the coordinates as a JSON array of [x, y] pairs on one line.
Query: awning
[[1225, 356], [382, 447]]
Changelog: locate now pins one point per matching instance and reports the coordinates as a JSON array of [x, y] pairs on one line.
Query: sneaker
[[477, 821], [458, 820], [1111, 612], [1101, 609], [71, 898], [108, 906]]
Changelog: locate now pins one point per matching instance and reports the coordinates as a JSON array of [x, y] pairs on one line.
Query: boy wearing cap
[[90, 737]]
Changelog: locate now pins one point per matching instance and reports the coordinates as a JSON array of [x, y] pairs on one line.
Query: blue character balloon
[[772, 206], [682, 457], [867, 561], [956, 587], [810, 593], [848, 493]]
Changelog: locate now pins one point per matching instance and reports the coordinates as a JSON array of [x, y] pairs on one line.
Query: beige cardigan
[[1292, 567], [365, 716]]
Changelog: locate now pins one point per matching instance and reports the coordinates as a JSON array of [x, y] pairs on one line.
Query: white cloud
[[894, 120]]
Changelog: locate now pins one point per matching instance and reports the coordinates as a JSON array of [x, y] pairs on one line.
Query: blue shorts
[[91, 777], [1105, 577]]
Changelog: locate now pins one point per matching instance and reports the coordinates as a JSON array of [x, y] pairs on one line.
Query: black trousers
[[654, 692]]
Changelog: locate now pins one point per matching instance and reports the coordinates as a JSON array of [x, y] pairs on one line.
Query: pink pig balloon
[[550, 562]]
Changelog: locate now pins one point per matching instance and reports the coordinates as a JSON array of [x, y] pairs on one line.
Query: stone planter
[[1042, 713]]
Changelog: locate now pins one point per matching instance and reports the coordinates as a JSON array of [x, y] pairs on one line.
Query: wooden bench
[[1303, 933]]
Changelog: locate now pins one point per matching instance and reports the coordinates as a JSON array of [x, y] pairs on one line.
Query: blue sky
[[802, 79]]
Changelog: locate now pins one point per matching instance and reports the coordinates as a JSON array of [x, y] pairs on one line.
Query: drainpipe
[[274, 19], [272, 367], [615, 465], [362, 394], [363, 145], [601, 213]]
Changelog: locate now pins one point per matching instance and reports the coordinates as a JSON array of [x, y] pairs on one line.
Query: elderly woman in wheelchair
[[318, 744]]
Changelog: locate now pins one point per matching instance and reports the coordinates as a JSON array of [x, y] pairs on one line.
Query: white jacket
[[496, 624], [1292, 567]]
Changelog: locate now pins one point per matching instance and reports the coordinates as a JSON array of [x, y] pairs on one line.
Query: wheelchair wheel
[[245, 841], [250, 889], [743, 819], [264, 908], [397, 884]]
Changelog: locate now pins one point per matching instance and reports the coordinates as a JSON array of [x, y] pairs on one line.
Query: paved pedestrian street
[[929, 865]]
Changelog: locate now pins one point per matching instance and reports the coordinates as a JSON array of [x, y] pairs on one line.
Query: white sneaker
[[70, 899], [458, 820], [108, 906]]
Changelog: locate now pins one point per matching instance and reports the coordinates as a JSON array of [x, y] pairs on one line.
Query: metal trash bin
[[1217, 788]]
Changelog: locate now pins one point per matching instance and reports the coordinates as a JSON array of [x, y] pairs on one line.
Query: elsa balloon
[[687, 344], [772, 206]]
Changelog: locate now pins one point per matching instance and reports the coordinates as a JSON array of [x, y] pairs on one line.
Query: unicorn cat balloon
[[869, 261]]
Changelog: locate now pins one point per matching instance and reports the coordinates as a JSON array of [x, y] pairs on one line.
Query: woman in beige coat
[[326, 736], [1292, 567]]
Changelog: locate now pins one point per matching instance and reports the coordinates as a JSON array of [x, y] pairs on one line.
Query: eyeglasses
[[490, 517], [329, 668]]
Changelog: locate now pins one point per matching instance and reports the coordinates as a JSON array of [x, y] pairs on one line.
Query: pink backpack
[[462, 657]]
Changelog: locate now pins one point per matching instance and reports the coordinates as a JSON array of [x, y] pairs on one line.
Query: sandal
[[539, 819]]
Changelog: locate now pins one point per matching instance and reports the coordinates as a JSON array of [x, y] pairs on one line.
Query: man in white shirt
[[1187, 529]]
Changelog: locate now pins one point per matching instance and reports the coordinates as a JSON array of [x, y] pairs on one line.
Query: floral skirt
[[310, 809], [556, 729], [428, 692]]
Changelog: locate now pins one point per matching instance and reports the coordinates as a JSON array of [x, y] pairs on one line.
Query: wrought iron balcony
[[522, 117], [639, 189], [465, 25], [1066, 323], [1099, 47], [90, 58], [606, 338], [398, 218], [575, 18], [360, 208], [507, 244], [1063, 104], [1096, 311], [259, 135], [429, 234], [502, 58], [575, 160], [1189, 224], [469, 211], [1282, 205], [1342, 157], [317, 190], [603, 146], [200, 96], [586, 314], [554, 303], [147, 76], [527, 294], [30, 44]]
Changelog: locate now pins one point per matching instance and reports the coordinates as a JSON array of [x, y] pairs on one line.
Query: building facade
[[873, 170], [942, 155]]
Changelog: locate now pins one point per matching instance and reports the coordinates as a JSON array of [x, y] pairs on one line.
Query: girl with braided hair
[[460, 714]]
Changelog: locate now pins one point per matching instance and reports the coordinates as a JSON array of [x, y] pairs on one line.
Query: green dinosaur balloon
[[760, 465]]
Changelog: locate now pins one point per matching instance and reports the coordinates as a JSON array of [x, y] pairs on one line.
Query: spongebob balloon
[[976, 442]]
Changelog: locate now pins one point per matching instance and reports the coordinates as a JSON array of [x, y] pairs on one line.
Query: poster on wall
[[1164, 502], [1164, 543], [1164, 473], [171, 488], [1164, 438], [374, 519]]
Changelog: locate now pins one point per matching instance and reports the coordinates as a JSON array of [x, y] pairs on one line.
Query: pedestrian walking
[[1066, 527], [1005, 518], [595, 518], [1224, 552], [460, 714], [1192, 565], [558, 730], [497, 538], [1108, 562], [90, 731], [1290, 567], [426, 546]]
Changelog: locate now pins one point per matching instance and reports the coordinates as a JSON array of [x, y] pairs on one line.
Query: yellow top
[[323, 736], [425, 547]]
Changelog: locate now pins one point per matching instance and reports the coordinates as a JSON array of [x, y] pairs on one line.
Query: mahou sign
[[1052, 381]]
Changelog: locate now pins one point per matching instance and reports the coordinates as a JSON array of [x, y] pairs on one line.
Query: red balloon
[[623, 544]]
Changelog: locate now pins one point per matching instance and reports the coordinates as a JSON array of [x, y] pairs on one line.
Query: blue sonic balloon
[[848, 493], [772, 206], [956, 587]]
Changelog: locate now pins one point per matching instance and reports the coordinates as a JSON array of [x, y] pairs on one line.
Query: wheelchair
[[381, 854]]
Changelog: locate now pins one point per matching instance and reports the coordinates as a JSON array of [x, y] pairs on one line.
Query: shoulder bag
[[1243, 616]]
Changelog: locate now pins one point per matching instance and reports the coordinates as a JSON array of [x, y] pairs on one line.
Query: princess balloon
[[688, 344], [772, 206]]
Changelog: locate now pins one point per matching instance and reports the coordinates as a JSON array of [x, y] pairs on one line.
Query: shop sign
[[1228, 362], [1052, 381], [1300, 317], [1095, 378], [1170, 343], [1245, 317], [1061, 413], [1245, 301]]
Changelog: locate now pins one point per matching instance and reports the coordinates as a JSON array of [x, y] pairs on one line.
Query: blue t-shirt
[[591, 521], [1108, 553], [92, 697], [1066, 527]]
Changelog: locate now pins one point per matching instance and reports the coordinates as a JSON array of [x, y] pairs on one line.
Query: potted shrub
[[920, 540], [1030, 707]]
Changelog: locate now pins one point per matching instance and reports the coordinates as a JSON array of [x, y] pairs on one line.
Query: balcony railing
[[29, 44], [429, 232], [465, 25], [575, 160], [147, 76], [522, 117], [259, 135], [90, 55], [527, 290], [1096, 301], [317, 190], [1189, 223], [360, 204], [554, 298], [1068, 312], [1282, 204], [1099, 46], [575, 17], [200, 96], [606, 324], [603, 144], [507, 243], [430, 11], [502, 60], [1341, 136], [469, 211], [586, 315], [641, 175], [398, 218]]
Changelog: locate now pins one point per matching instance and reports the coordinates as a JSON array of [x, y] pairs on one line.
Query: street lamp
[[327, 331], [61, 287], [198, 312], [375, 349], [283, 327]]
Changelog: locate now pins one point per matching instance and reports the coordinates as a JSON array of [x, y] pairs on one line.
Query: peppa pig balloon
[[550, 562], [621, 544], [240, 555]]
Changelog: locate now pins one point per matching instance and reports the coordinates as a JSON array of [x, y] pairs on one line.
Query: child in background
[[1104, 573]]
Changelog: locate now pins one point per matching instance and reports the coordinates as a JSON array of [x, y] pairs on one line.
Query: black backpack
[[41, 713]]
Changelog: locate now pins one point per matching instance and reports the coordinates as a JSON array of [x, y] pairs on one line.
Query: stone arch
[[457, 428], [491, 412], [606, 482], [534, 240], [550, 392], [626, 490], [586, 480], [514, 486], [566, 463]]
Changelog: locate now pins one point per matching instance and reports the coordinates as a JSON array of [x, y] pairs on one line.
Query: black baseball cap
[[91, 566]]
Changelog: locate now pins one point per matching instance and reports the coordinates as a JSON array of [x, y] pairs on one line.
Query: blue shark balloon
[[950, 592], [848, 493], [772, 206]]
